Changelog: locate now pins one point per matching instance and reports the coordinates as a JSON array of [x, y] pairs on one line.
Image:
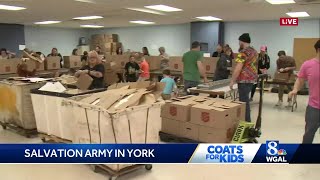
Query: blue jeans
[[190, 84], [244, 96], [312, 124]]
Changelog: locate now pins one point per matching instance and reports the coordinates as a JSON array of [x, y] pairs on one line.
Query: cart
[[113, 175]]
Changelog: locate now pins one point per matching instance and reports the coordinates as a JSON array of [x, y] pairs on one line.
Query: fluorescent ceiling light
[[298, 14], [11, 8], [281, 1], [146, 11], [209, 18], [86, 1], [91, 26], [48, 22], [88, 17], [163, 8], [142, 22]]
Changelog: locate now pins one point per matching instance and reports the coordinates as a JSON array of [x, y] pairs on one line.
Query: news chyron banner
[[270, 152]]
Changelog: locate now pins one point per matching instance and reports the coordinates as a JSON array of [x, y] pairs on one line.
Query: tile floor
[[278, 124]]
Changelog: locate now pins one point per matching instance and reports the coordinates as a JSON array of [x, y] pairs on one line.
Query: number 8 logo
[[272, 148]]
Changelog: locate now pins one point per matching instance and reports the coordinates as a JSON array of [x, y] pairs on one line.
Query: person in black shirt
[[222, 71], [131, 68], [218, 52], [94, 69], [54, 52], [263, 66]]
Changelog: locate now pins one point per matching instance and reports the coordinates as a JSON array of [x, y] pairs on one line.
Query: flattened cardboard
[[176, 64], [72, 61], [84, 81], [211, 116], [52, 62], [190, 131], [171, 126]]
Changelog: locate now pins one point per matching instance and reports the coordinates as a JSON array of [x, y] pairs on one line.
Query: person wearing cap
[[263, 66], [94, 69], [245, 72], [285, 64], [310, 71]]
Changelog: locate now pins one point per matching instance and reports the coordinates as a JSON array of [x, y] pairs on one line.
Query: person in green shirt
[[192, 67]]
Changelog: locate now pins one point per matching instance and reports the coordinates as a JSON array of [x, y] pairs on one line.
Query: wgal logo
[[273, 152]]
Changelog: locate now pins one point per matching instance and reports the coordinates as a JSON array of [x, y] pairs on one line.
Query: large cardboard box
[[214, 135], [111, 37], [210, 64], [237, 108], [31, 65], [97, 39], [154, 62], [176, 64], [171, 126], [179, 110], [110, 77], [190, 131], [9, 66], [52, 62], [120, 60], [72, 61], [211, 116]]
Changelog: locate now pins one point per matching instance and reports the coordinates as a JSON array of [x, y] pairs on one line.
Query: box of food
[[9, 66], [52, 63], [176, 64], [72, 61]]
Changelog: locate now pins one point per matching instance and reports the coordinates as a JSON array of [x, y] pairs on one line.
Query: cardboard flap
[[132, 100], [27, 55], [147, 99], [84, 82]]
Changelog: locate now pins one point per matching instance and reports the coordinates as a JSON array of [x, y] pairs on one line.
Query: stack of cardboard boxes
[[202, 119], [209, 63], [109, 43]]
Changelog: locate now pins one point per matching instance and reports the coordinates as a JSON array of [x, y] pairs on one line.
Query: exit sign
[[289, 21]]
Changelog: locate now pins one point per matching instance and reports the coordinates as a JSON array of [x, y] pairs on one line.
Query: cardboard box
[[120, 60], [179, 110], [97, 39], [214, 135], [211, 116], [190, 131], [116, 45], [111, 37], [72, 61], [176, 64], [237, 108], [35, 65], [9, 66], [110, 77], [210, 64], [171, 126], [84, 82], [154, 62], [52, 62], [281, 77]]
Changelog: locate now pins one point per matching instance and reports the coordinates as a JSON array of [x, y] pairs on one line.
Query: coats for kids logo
[[225, 153]]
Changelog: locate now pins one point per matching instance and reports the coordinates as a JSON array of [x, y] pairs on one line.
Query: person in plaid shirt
[[245, 72]]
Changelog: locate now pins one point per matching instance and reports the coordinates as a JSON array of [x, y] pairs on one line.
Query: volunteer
[[54, 52], [222, 71], [285, 64], [164, 63], [245, 72], [98, 50], [144, 67], [170, 85], [218, 52], [310, 71], [145, 51], [94, 69], [193, 67], [131, 69], [75, 52], [263, 66], [119, 51], [6, 54]]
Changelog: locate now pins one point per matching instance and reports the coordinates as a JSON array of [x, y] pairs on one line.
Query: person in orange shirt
[[144, 67]]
